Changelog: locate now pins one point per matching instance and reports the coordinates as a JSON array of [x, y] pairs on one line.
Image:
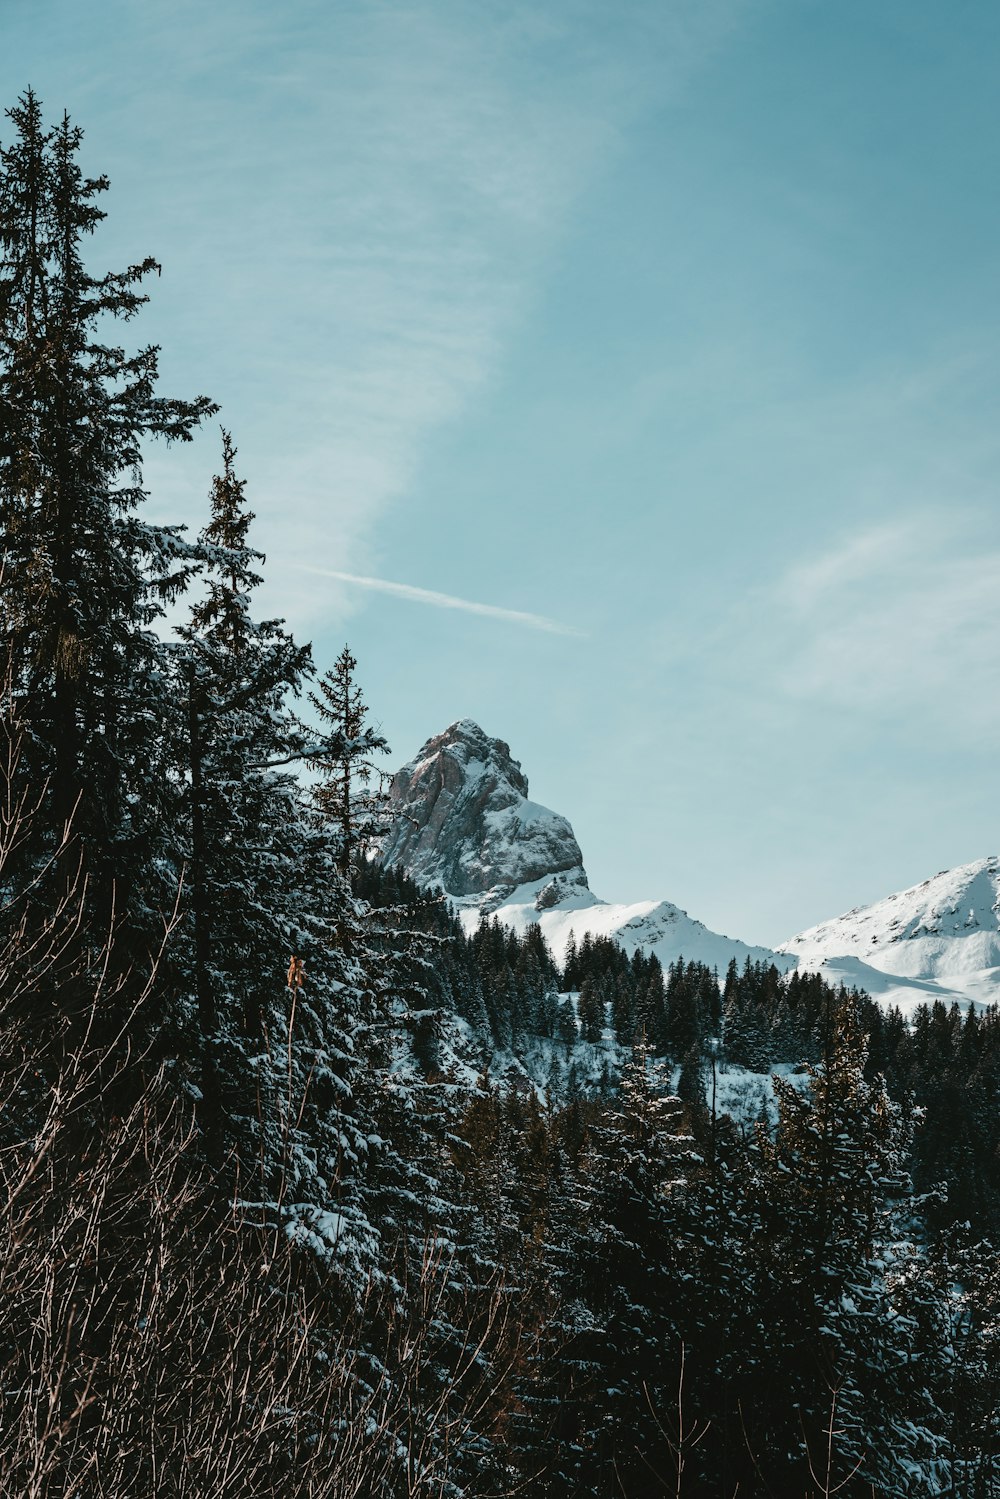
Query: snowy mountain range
[[465, 824]]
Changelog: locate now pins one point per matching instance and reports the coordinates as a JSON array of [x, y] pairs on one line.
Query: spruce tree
[[345, 792], [83, 577], [279, 961], [834, 1240], [590, 1008], [628, 1271]]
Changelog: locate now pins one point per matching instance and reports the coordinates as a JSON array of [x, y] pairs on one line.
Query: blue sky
[[671, 325]]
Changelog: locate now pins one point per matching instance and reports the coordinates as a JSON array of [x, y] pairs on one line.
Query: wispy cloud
[[355, 210], [900, 619], [437, 600]]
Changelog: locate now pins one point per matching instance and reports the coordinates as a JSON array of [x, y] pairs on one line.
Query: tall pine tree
[[83, 576]]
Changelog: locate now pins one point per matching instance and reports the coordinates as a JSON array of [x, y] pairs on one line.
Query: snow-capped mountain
[[656, 926], [937, 940], [464, 824]]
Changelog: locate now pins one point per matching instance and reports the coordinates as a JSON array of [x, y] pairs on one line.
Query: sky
[[622, 374]]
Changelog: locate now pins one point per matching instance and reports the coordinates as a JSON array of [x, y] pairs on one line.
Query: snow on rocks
[[464, 824]]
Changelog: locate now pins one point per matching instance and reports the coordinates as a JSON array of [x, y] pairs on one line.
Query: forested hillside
[[272, 1225]]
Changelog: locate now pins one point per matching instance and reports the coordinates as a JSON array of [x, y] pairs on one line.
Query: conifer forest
[[260, 1235]]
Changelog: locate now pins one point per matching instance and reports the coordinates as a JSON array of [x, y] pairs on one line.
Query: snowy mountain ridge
[[936, 940], [463, 823]]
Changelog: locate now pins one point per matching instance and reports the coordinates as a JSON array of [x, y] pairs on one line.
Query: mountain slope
[[938, 939], [655, 926]]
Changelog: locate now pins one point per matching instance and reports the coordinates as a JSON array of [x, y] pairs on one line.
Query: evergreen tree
[[691, 1090], [628, 1268], [744, 1037], [836, 1201], [345, 793], [83, 576], [685, 1008], [286, 1007], [590, 1008]]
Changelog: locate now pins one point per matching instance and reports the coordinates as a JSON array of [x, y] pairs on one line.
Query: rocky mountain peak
[[463, 821]]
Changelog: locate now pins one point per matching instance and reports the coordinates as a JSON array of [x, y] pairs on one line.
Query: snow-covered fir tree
[[84, 575]]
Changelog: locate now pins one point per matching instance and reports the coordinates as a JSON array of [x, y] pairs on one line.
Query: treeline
[[510, 989], [257, 1239]]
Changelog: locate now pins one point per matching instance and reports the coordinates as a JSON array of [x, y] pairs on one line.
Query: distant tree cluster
[[948, 1065]]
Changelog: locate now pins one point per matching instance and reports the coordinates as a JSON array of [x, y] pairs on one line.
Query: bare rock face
[[463, 821]]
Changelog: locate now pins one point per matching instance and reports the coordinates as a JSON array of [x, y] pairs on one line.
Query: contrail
[[442, 600]]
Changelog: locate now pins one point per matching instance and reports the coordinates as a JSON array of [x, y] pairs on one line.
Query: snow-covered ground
[[556, 1069]]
